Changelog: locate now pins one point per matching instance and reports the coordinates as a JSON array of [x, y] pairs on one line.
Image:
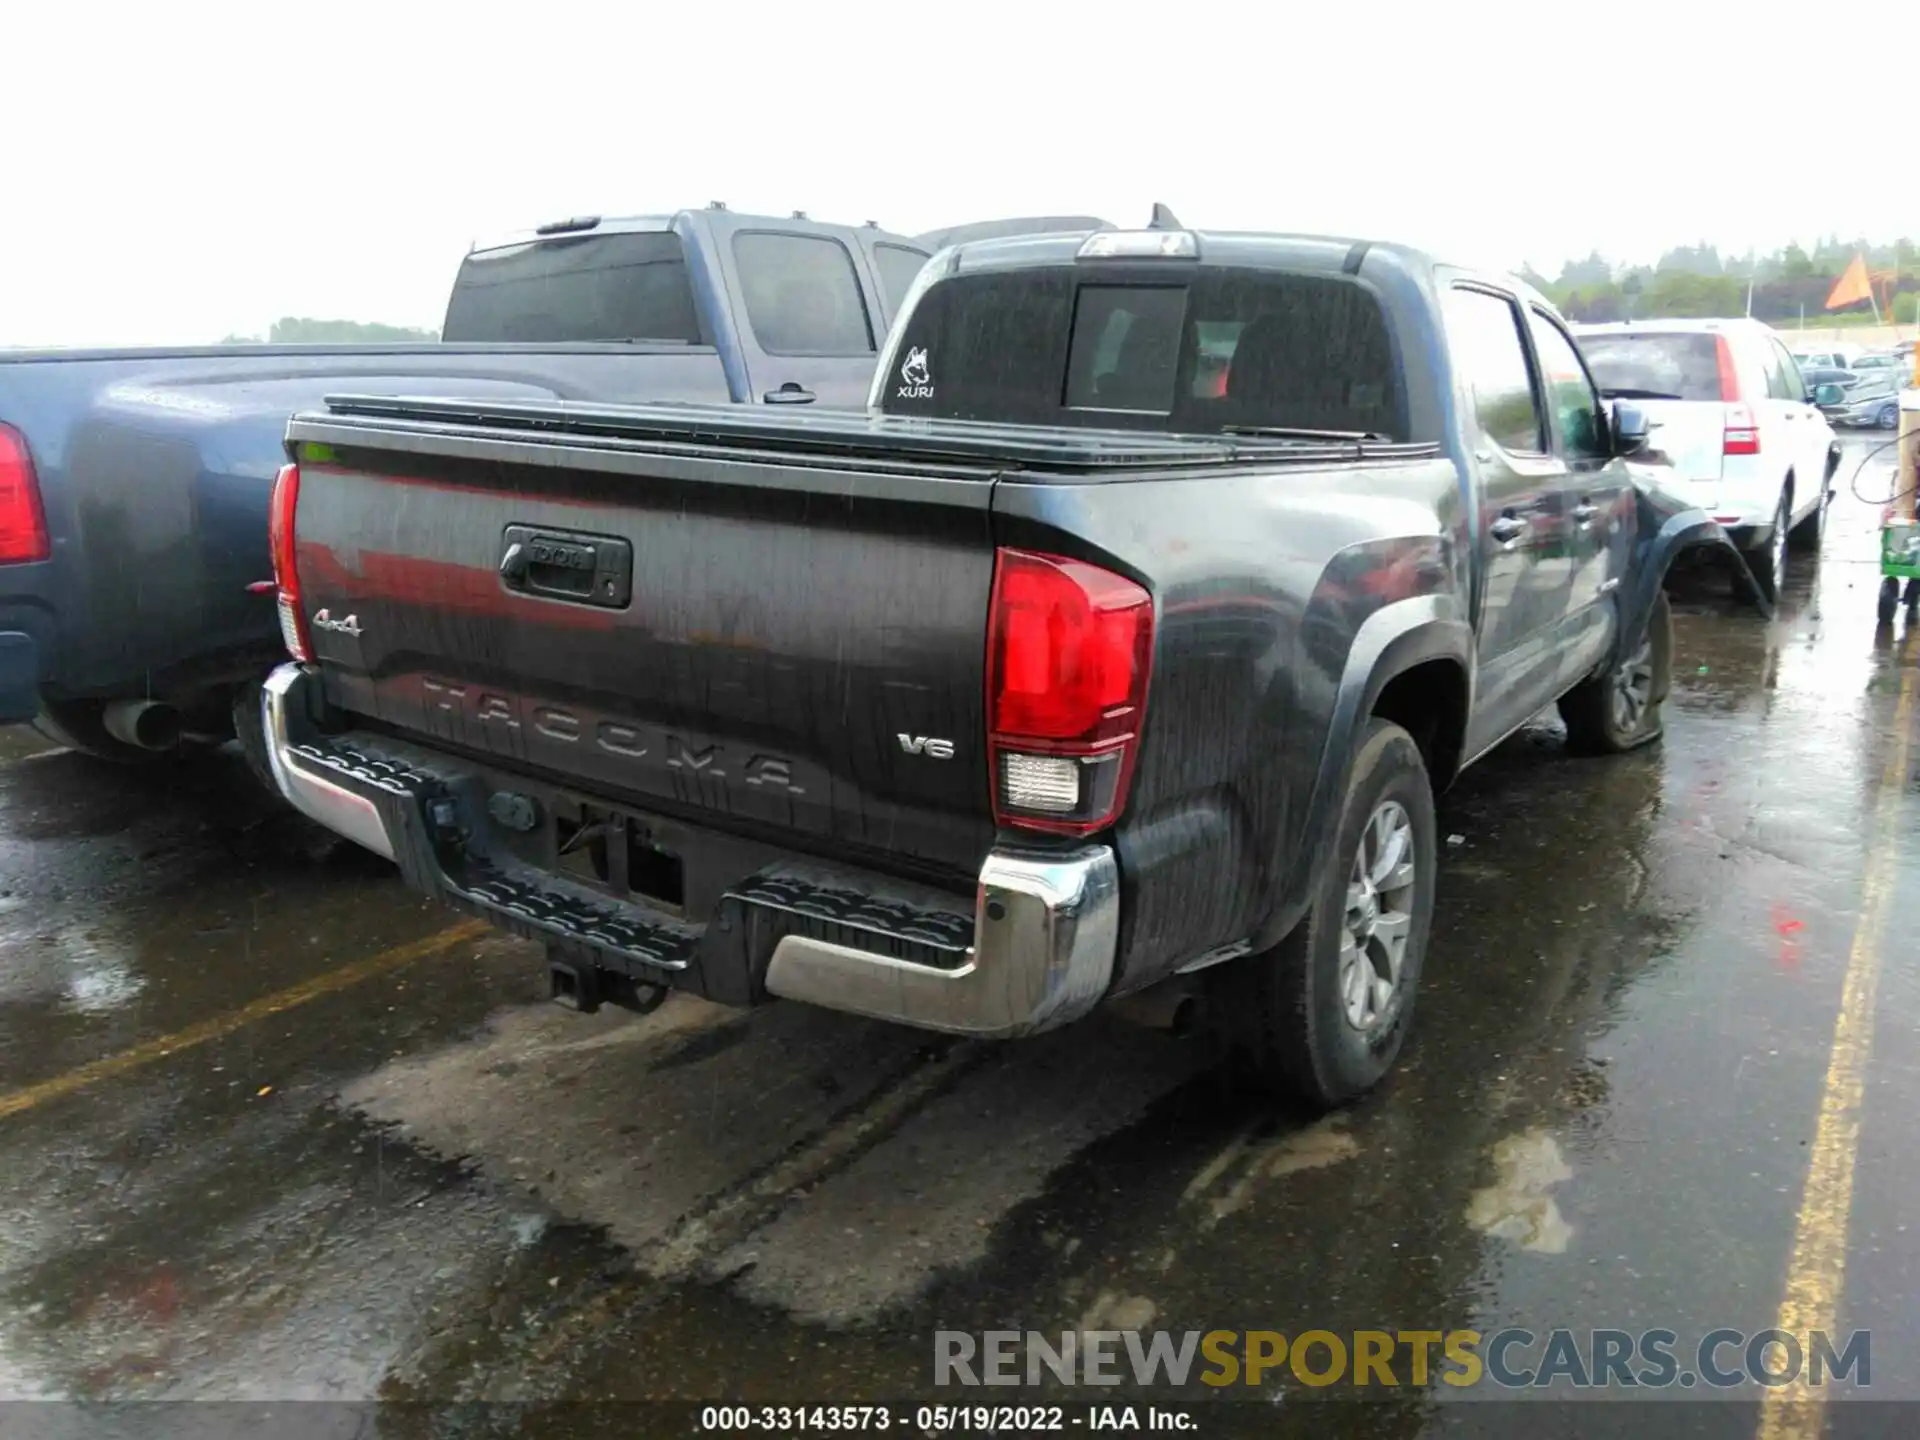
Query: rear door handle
[[1507, 528], [790, 393], [1584, 512]]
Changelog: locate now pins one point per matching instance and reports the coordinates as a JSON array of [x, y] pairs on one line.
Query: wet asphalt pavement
[[272, 1129]]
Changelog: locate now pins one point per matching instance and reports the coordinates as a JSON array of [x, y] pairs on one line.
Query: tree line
[[299, 330], [1697, 280]]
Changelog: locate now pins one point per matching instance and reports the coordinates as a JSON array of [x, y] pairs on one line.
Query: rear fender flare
[[1391, 641]]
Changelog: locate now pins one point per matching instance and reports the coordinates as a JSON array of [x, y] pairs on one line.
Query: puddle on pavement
[[1519, 1206], [101, 978], [1255, 1164]]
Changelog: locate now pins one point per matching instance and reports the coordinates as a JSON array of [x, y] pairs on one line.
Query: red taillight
[[1742, 435], [1729, 377], [286, 575], [1069, 647], [23, 526]]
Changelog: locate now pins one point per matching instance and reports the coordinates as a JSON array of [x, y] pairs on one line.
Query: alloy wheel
[[1632, 690], [1379, 917], [1777, 550]]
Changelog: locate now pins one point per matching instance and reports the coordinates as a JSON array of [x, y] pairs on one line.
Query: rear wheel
[[1807, 535], [1769, 563], [1321, 1016], [1621, 709], [249, 728]]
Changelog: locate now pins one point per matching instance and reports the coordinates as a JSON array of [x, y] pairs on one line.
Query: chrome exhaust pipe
[[147, 724]]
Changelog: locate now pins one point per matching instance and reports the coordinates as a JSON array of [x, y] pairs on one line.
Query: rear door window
[[1672, 366], [1215, 349], [802, 294], [575, 288], [1790, 368], [1483, 335], [1779, 386]]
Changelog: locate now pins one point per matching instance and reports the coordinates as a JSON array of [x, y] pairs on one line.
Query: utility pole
[[1907, 484]]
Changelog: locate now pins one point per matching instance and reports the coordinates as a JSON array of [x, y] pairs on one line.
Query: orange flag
[[1852, 287]]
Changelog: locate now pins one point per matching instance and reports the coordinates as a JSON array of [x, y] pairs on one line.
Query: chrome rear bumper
[[302, 778], [1046, 924], [1044, 934]]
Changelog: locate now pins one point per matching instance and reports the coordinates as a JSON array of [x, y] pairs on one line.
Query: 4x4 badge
[[349, 626]]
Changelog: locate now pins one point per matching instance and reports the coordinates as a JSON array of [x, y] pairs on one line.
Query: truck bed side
[[154, 468]]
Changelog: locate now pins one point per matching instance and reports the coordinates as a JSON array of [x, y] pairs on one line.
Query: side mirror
[[1630, 428], [1824, 395]]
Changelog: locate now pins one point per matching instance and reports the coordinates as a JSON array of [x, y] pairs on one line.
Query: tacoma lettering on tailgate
[[655, 759]]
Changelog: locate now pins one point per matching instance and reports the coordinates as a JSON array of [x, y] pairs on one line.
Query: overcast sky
[[174, 172]]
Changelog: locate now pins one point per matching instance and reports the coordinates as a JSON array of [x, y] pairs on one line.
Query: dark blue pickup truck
[[134, 483]]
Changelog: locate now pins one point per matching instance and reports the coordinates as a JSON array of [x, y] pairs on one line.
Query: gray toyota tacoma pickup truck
[[1129, 634]]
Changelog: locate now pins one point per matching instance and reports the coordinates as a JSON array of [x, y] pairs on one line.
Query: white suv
[[1733, 416]]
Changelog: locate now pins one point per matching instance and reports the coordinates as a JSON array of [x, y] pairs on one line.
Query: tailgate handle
[[563, 565]]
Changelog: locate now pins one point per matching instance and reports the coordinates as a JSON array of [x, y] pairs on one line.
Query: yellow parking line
[[215, 1026], [1816, 1276]]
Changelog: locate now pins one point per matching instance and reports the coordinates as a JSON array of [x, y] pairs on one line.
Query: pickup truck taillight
[[286, 576], [1069, 648], [23, 526], [1742, 435]]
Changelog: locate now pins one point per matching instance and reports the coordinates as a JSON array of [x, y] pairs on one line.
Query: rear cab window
[[613, 287], [1207, 350], [802, 294]]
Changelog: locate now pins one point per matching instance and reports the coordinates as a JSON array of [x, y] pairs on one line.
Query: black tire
[[250, 731], [1282, 1014], [1889, 599], [1808, 534], [1889, 416], [1622, 709], [1769, 562], [77, 724]]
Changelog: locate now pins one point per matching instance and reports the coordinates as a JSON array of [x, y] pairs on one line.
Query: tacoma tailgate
[[788, 650]]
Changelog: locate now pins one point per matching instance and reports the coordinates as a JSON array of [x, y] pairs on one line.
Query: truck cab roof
[[575, 227], [1181, 329]]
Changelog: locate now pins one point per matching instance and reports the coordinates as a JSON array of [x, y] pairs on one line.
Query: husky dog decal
[[916, 381]]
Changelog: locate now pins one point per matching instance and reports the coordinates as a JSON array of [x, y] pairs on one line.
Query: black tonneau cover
[[845, 435]]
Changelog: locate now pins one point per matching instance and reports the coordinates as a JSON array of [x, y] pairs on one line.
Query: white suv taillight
[[1069, 648], [1742, 434], [286, 575]]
